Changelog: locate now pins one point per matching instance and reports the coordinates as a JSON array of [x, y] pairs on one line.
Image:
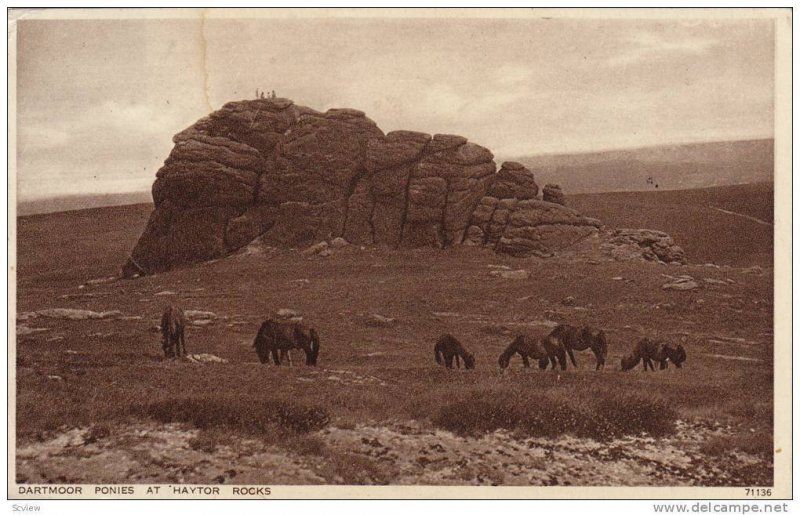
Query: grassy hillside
[[696, 219], [670, 167], [96, 401]]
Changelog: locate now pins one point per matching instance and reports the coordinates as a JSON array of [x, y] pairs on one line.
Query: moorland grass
[[551, 413], [255, 416]]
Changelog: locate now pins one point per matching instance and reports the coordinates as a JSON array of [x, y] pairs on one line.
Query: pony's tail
[[437, 354]]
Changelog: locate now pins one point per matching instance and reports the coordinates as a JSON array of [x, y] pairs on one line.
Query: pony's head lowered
[[676, 355]]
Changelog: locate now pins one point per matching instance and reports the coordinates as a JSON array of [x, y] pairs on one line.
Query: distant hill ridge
[[670, 167], [680, 166]]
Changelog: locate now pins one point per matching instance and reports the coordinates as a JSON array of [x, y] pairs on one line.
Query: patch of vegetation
[[254, 416], [548, 414], [758, 443]]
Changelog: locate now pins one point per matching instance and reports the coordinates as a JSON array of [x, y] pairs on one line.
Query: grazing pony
[[582, 338], [447, 348], [279, 336], [676, 355], [545, 350], [173, 324], [646, 351]]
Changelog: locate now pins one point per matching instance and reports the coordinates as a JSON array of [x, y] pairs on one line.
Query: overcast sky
[[98, 101]]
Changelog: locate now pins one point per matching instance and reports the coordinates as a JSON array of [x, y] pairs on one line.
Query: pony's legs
[[562, 359], [525, 361], [599, 358], [458, 361], [275, 356], [182, 340], [448, 361], [572, 358]]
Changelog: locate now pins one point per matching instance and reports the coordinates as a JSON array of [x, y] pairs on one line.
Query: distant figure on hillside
[[447, 348], [173, 325]]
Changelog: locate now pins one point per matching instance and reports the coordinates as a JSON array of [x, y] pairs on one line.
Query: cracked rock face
[[293, 176]]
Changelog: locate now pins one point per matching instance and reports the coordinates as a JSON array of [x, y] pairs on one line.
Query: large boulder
[[288, 175]]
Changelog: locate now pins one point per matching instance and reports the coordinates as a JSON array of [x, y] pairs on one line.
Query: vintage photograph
[[255, 249]]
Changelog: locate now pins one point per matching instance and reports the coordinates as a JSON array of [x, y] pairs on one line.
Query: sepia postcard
[[400, 253]]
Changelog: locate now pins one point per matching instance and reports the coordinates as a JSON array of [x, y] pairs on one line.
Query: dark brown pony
[[582, 338], [544, 350], [646, 351], [447, 348], [173, 325], [278, 336]]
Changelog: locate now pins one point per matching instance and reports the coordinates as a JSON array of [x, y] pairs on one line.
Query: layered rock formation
[[293, 176], [553, 193], [647, 244]]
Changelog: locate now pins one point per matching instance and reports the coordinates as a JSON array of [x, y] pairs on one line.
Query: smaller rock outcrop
[[552, 193], [648, 244], [527, 227], [513, 180]]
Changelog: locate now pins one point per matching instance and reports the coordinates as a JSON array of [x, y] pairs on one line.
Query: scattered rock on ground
[[23, 330], [194, 314], [315, 249], [205, 358], [376, 320], [681, 283], [289, 313], [165, 293], [338, 243], [569, 300], [511, 274], [71, 314], [102, 280]]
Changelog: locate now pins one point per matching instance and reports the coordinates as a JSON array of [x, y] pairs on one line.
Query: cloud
[[122, 143], [648, 45], [513, 74]]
